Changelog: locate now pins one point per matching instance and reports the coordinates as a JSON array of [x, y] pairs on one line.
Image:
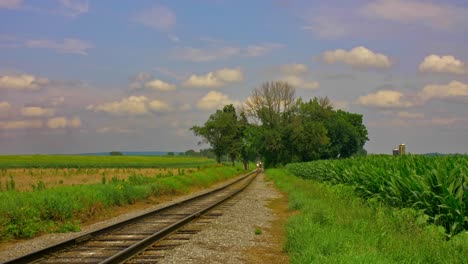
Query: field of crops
[[46, 207], [437, 187], [73, 161]]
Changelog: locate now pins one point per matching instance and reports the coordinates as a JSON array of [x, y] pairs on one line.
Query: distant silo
[[402, 149], [396, 152]]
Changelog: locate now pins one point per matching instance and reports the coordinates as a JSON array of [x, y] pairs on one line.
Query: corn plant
[[438, 186]]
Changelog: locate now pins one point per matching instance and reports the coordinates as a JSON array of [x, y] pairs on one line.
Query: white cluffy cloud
[[292, 75], [4, 107], [132, 106], [435, 15], [36, 111], [159, 17], [215, 79], [145, 80], [75, 7], [20, 124], [410, 115], [214, 100], [298, 82], [294, 68], [359, 57], [443, 64], [11, 4], [63, 122], [225, 52], [454, 89], [22, 82], [69, 45], [159, 85], [159, 106], [384, 99]]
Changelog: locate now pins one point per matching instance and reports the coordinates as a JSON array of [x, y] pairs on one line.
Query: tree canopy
[[279, 128]]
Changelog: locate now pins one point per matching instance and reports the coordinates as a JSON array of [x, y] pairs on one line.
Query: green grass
[[435, 186], [335, 226], [26, 214], [74, 161]]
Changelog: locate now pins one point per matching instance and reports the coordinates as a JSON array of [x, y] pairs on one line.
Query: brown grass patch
[[28, 179]]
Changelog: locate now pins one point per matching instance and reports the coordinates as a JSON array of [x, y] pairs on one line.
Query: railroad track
[[129, 239]]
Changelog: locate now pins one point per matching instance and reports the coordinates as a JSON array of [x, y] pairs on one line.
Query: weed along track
[[139, 236]]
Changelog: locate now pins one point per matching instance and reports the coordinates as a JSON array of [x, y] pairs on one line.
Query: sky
[[89, 76]]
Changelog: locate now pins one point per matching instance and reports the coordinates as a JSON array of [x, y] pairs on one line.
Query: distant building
[[401, 150]]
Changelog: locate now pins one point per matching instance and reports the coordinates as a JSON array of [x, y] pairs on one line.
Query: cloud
[[327, 27], [294, 69], [433, 15], [409, 115], [261, 49], [384, 99], [22, 82], [201, 55], [215, 79], [220, 53], [454, 89], [159, 106], [159, 18], [359, 57], [69, 45], [20, 124], [298, 82], [75, 7], [11, 4], [57, 100], [214, 100], [4, 107], [442, 64], [114, 130], [133, 105], [160, 85], [63, 122], [36, 111]]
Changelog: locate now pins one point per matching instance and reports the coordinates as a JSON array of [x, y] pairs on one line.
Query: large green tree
[[221, 131]]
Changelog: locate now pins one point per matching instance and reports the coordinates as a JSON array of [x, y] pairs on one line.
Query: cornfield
[[437, 186]]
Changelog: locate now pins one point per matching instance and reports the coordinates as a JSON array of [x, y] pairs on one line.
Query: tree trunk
[[218, 159]]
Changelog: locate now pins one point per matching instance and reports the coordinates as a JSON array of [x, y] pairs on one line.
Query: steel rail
[[39, 254]]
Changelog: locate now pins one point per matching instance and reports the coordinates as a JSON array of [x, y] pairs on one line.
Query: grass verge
[[334, 226], [61, 209]]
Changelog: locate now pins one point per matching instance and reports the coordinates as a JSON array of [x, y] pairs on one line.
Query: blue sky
[[85, 76]]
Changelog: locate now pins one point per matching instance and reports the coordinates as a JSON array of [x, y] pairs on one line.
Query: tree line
[[279, 128]]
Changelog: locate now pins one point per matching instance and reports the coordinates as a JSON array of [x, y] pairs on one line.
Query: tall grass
[[26, 214], [333, 225], [74, 161], [436, 186]]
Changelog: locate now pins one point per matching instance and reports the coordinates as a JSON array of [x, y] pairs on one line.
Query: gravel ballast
[[231, 238]]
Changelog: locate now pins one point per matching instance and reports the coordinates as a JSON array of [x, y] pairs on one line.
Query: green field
[[435, 187], [75, 161], [63, 208], [330, 224]]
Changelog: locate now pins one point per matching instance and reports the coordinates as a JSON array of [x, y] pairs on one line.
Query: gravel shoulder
[[231, 238]]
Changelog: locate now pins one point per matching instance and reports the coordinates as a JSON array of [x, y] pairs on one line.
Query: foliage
[[332, 225], [437, 186], [221, 131], [26, 214], [283, 129], [116, 153], [75, 161]]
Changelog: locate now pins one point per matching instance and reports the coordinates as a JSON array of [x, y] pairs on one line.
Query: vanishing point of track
[[122, 241]]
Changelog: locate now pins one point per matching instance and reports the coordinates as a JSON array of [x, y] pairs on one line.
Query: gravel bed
[[25, 247], [230, 236]]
